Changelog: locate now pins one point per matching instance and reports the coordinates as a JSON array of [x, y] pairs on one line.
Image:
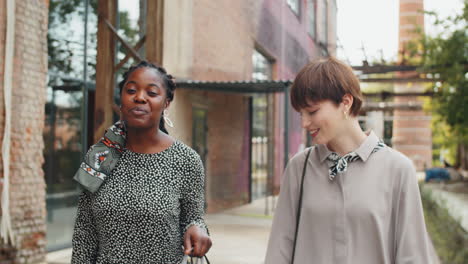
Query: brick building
[[218, 42], [23, 75], [210, 41]]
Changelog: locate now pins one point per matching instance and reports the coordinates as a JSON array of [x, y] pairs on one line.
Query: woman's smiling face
[[323, 120], [143, 98]]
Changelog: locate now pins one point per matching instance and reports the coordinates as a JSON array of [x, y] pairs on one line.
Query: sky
[[374, 25]]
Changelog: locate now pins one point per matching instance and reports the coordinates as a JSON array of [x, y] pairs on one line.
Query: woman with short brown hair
[[350, 198]]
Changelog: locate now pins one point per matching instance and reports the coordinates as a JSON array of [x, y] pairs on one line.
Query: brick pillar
[[27, 185], [411, 128]]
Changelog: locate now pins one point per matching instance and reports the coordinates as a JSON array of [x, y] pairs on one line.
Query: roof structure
[[245, 86]]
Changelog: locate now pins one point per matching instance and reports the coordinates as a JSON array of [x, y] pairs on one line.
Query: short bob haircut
[[326, 79]]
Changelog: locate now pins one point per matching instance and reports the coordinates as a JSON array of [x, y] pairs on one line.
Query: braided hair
[[168, 80]]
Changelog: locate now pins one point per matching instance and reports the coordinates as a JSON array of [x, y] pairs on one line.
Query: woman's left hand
[[196, 241]]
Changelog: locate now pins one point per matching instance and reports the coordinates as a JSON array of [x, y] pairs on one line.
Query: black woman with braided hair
[[143, 198]]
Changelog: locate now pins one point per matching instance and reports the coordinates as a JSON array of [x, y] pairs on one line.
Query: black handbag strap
[[299, 206]]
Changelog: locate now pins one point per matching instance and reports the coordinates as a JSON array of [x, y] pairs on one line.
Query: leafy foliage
[[449, 238], [445, 56]]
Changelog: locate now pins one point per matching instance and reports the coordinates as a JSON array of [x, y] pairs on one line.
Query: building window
[[262, 71], [324, 22], [294, 5], [262, 67], [311, 15], [261, 108]]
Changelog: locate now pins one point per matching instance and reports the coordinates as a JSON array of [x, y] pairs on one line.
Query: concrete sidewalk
[[239, 236]]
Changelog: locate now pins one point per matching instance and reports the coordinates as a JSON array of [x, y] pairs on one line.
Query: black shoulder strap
[[299, 206]]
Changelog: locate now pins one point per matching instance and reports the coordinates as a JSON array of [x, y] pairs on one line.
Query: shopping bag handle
[[194, 260]]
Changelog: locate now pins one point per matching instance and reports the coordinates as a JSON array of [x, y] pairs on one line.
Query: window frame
[[324, 22], [312, 4], [298, 13], [269, 59]]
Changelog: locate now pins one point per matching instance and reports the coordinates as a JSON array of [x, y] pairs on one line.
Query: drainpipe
[[286, 126], [6, 231]]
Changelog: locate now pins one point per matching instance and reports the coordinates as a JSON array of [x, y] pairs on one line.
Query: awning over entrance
[[237, 86]]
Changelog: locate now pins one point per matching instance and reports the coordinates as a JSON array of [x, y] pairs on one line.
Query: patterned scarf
[[102, 158], [340, 164]]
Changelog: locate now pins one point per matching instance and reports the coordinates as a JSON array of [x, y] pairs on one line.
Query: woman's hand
[[196, 242]]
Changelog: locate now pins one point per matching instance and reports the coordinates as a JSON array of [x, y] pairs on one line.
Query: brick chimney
[[411, 128]]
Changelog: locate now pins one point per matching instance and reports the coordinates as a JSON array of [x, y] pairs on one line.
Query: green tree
[[445, 57]]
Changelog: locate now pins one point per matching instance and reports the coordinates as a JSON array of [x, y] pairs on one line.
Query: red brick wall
[[222, 41], [227, 161], [412, 133], [27, 186], [222, 50], [411, 129], [222, 36]]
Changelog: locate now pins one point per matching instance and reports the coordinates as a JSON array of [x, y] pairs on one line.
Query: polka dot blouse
[[141, 212]]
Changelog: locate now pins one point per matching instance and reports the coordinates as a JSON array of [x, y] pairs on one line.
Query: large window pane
[[64, 121], [324, 21], [294, 5], [311, 6], [262, 70], [62, 154]]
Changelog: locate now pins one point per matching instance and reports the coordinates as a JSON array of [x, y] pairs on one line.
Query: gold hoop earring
[[167, 120]]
